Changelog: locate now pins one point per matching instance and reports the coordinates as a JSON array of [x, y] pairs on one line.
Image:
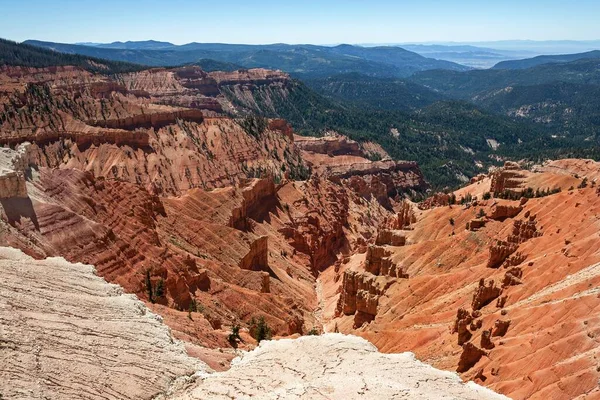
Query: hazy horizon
[[314, 22]]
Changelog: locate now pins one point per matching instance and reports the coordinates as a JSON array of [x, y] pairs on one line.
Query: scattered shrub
[[234, 336], [259, 329], [313, 332]]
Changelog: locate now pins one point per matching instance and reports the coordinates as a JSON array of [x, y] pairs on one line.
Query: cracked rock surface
[[331, 366], [67, 334]]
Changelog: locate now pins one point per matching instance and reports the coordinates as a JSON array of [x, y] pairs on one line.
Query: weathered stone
[[512, 277], [470, 355], [500, 327], [499, 252], [390, 237], [485, 294], [486, 341]]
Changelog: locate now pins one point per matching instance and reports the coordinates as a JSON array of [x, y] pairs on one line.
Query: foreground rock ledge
[[67, 334], [331, 366]]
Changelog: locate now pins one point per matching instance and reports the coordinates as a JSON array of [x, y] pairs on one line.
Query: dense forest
[[451, 140], [12, 53]]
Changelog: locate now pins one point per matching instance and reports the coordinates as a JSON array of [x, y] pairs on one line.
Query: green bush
[[259, 329], [313, 332], [234, 336]]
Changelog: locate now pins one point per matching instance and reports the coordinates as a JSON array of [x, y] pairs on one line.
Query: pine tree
[[160, 288], [149, 287]]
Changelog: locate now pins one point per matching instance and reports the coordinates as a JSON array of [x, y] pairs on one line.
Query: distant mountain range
[[472, 56], [299, 60], [487, 54], [550, 59]]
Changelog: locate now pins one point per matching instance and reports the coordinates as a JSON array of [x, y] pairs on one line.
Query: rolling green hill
[[376, 93], [469, 84]]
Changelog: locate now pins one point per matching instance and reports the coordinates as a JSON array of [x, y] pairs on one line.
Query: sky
[[306, 21]]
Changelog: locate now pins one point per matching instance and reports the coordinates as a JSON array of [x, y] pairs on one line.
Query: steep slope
[[66, 333], [218, 217], [501, 291], [568, 107], [215, 222], [376, 93]]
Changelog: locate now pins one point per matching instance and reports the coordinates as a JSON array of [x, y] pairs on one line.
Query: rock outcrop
[[12, 176], [470, 355], [378, 262], [404, 217], [257, 258], [499, 252], [476, 224], [66, 333], [523, 230], [509, 177], [485, 294], [390, 237], [354, 370], [333, 144], [500, 327], [461, 326], [503, 210], [360, 293]]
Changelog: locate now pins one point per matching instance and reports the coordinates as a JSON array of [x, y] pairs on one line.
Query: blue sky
[[307, 21]]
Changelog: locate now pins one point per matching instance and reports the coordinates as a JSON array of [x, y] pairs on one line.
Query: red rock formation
[[476, 224], [500, 328], [360, 293], [502, 210], [282, 126], [509, 177], [512, 277], [485, 294], [332, 145], [390, 237], [437, 200], [177, 201], [524, 230], [404, 217], [470, 355], [499, 252], [257, 258], [377, 262], [486, 340], [461, 325], [556, 285]]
